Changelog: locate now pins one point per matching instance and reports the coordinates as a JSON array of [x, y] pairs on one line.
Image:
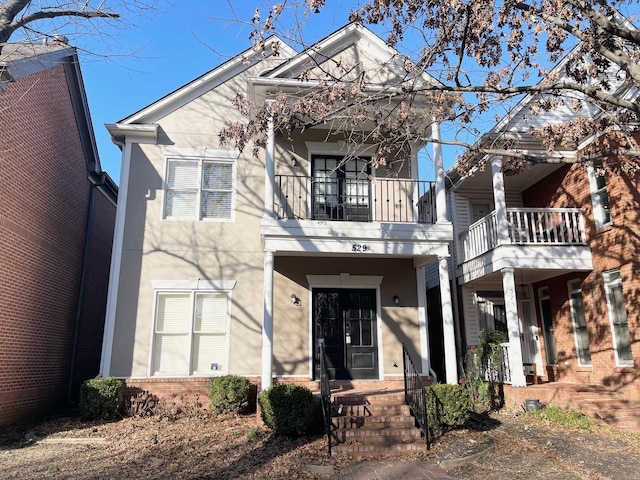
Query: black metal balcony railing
[[354, 199]]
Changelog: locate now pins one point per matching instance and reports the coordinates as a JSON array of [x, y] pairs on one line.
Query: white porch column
[[513, 329], [448, 328], [425, 354], [438, 165], [499, 199], [269, 170], [267, 323]]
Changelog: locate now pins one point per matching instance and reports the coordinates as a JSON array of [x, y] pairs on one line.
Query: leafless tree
[[38, 20], [484, 56]]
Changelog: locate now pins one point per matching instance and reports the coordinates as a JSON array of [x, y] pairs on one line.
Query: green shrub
[[229, 394], [288, 409], [447, 406], [101, 397]]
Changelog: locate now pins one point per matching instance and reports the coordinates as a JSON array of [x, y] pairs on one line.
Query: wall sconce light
[[295, 300], [396, 299], [294, 162]]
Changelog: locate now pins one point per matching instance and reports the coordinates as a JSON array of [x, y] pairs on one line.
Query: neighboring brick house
[[57, 213], [550, 256]]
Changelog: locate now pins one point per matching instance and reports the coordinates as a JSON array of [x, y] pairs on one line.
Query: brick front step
[[369, 399], [388, 435], [378, 450], [373, 422], [371, 410]]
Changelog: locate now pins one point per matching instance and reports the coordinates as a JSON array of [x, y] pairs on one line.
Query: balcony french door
[[341, 188]]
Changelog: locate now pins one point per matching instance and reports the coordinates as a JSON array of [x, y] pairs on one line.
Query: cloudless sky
[[165, 50]]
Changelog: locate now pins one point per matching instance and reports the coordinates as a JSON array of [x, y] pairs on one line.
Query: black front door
[[345, 322]]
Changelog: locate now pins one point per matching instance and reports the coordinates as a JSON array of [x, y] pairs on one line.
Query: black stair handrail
[[325, 394], [415, 394]]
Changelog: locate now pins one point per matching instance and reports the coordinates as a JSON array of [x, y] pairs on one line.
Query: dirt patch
[[233, 447]]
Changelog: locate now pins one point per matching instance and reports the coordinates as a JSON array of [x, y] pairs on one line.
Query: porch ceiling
[[481, 180]]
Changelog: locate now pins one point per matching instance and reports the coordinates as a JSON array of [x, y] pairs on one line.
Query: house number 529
[[359, 247]]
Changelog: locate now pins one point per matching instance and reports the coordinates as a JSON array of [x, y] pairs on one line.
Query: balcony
[[382, 200], [525, 226]]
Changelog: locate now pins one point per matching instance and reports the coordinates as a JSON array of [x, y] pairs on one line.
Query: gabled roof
[[19, 60], [514, 126], [194, 89]]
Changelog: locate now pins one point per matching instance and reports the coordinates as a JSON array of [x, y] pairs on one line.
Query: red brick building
[[57, 213], [549, 256]]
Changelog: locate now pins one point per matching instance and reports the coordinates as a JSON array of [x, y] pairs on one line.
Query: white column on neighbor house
[[438, 165], [448, 328], [269, 170], [499, 200], [513, 328], [267, 323]]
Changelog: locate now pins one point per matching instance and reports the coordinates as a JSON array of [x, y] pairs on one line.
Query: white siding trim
[[116, 262]]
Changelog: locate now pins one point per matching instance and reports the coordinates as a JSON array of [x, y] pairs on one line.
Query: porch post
[[425, 354], [499, 199], [269, 170], [448, 329], [267, 323], [513, 329], [441, 199]]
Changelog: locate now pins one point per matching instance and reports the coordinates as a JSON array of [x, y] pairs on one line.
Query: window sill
[[584, 369], [624, 369]]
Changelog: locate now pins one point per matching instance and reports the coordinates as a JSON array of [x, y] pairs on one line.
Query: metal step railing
[[415, 394], [325, 395]]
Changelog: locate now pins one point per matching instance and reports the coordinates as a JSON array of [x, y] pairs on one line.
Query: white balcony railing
[[525, 226]]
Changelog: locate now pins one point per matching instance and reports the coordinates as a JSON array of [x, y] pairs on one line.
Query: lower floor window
[[618, 316], [191, 333]]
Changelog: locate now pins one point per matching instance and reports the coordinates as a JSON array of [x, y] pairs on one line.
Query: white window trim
[[608, 283], [573, 322], [200, 154], [595, 198], [191, 286]]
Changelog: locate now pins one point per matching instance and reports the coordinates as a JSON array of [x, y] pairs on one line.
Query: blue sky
[[164, 51]]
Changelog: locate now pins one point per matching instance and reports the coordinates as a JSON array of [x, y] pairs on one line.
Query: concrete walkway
[[390, 469]]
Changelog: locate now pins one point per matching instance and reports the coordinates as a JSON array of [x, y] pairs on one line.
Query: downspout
[[83, 278]]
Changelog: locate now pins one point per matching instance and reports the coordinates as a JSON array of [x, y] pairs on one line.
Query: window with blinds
[[580, 331], [599, 194], [618, 317], [190, 336], [198, 190]]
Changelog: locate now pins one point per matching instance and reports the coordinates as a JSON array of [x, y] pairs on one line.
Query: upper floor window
[[199, 188], [599, 195]]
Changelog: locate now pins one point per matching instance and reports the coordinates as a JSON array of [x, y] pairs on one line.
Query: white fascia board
[[138, 133], [570, 258], [350, 231], [341, 247], [206, 82]]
